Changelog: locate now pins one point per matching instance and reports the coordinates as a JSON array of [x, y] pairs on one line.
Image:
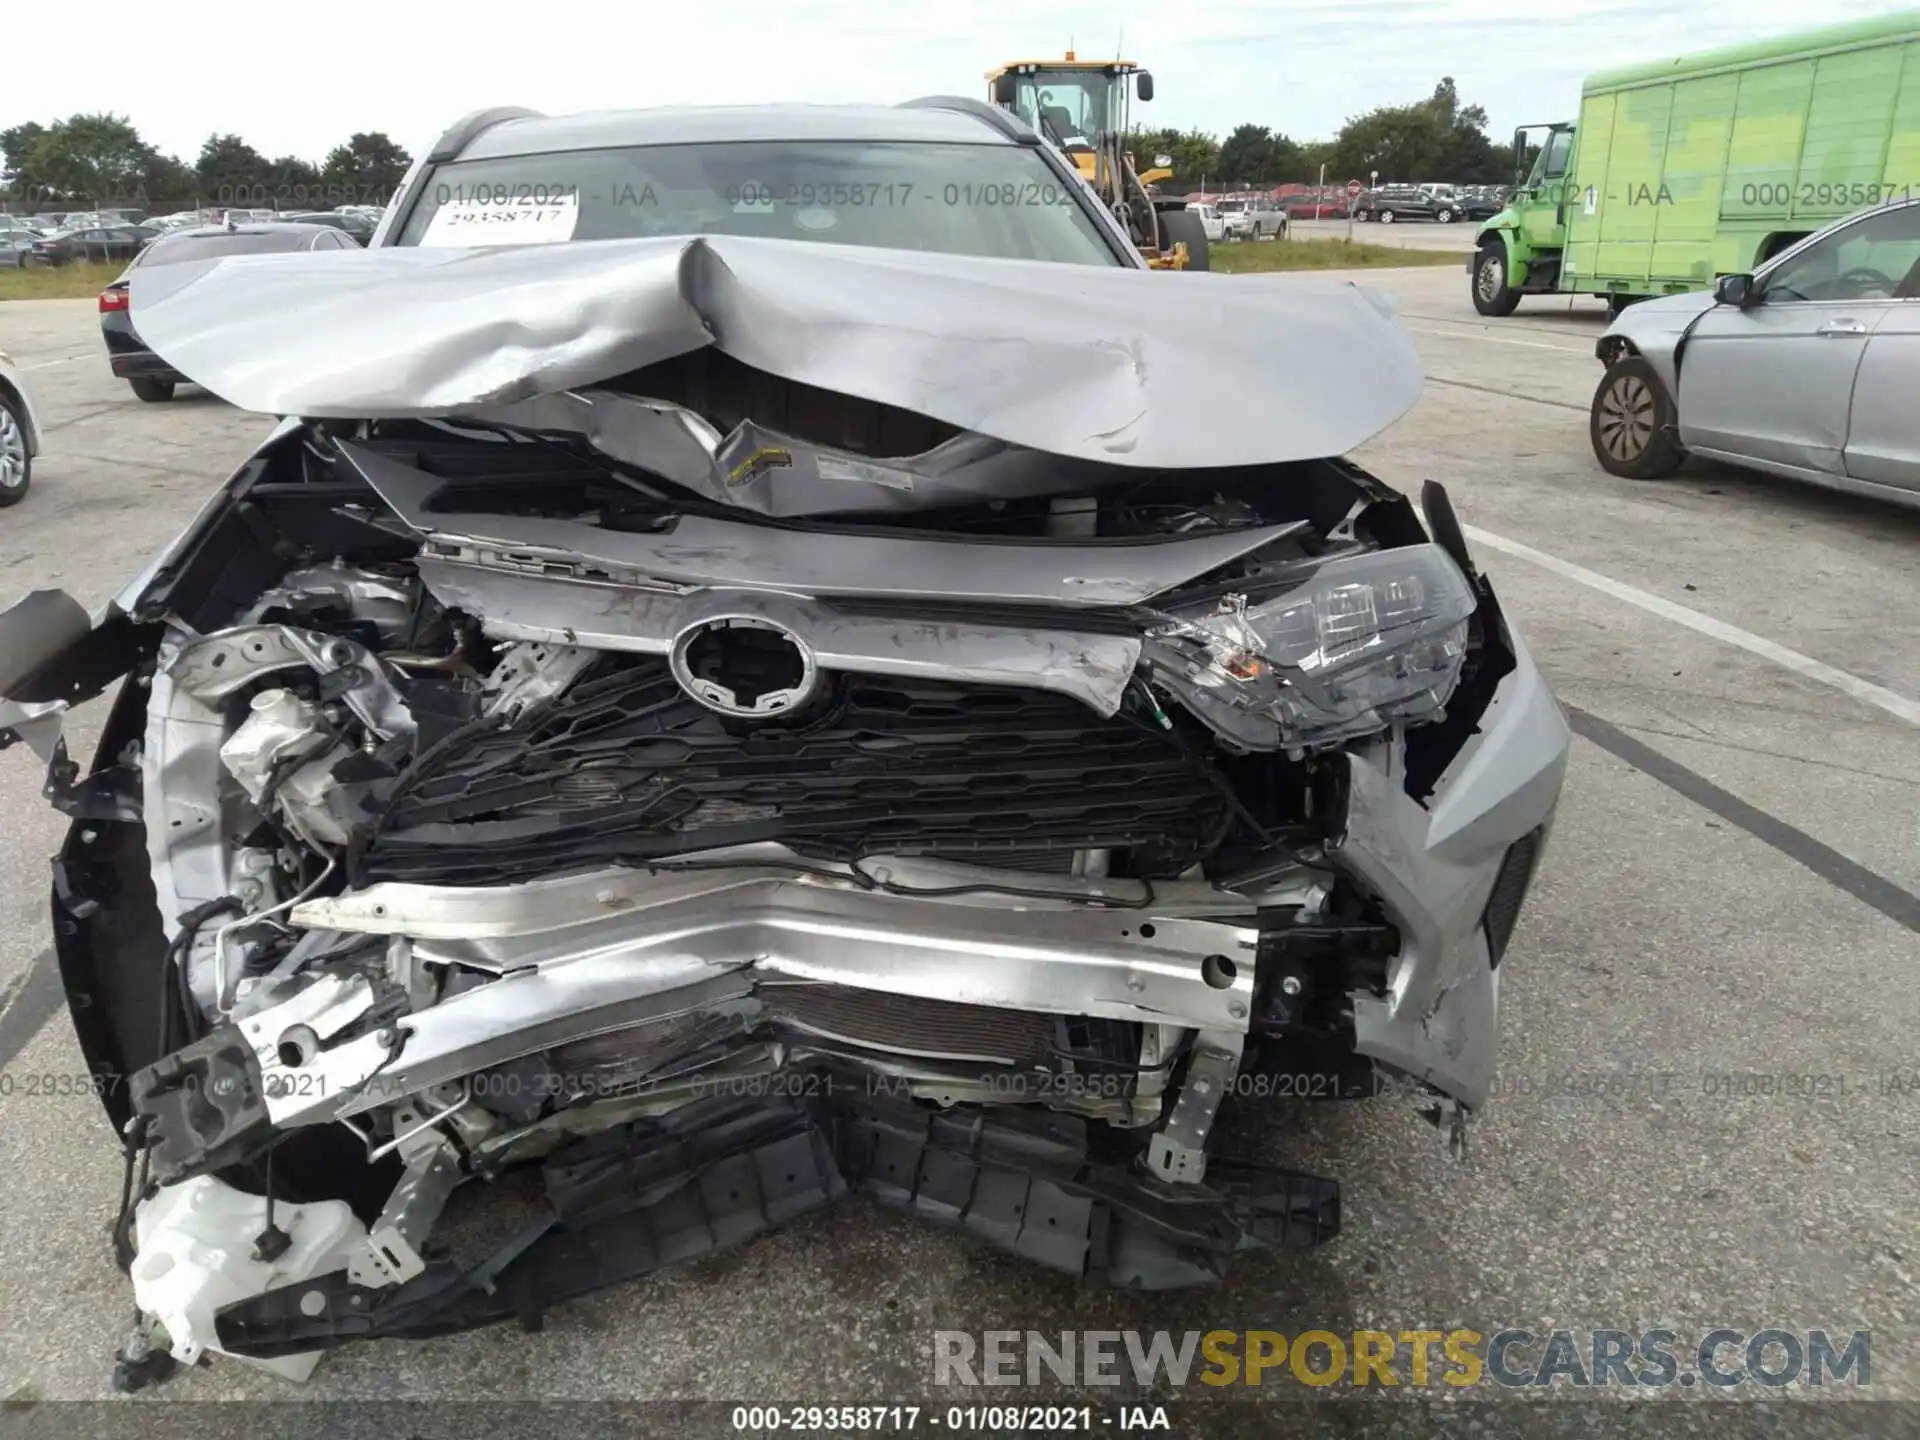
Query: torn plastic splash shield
[[628, 1202], [1116, 365]]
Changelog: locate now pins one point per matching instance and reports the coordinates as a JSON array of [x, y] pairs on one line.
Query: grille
[[626, 768], [1510, 891]]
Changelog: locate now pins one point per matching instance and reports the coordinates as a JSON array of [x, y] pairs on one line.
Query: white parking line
[[49, 364], [1499, 340], [1862, 690]]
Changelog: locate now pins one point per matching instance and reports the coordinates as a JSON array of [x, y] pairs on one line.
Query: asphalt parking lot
[[1722, 905]]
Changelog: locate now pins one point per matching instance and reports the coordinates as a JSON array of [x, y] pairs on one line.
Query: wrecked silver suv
[[798, 695]]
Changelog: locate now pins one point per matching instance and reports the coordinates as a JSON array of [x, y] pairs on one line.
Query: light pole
[[1320, 192]]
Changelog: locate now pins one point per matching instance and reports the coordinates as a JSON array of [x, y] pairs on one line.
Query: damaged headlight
[[1357, 644]]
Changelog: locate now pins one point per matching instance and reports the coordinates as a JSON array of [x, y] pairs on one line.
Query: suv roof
[[936, 119]]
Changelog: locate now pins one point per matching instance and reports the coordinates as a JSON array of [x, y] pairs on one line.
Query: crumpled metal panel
[[1118, 365], [772, 473], [710, 551]]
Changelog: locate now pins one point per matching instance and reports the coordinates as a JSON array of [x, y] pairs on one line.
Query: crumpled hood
[[1121, 366]]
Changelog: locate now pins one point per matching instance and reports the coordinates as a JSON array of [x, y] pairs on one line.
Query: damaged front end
[[546, 788]]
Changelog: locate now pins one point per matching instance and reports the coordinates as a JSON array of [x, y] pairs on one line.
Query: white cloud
[[299, 81]]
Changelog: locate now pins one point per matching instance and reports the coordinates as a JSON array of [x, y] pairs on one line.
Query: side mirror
[[1161, 162], [1143, 85], [1735, 290], [1004, 87]]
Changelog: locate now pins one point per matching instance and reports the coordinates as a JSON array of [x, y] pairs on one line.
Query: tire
[[1492, 295], [1445, 217], [16, 466], [1386, 217], [1633, 423], [152, 390], [1184, 226]]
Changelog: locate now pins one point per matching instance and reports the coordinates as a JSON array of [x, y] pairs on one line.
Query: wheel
[[1445, 217], [1492, 295], [151, 390], [1386, 217], [16, 466], [1184, 225], [1633, 424]]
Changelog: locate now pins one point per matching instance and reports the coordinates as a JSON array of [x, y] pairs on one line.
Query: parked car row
[[60, 238], [97, 243], [1443, 204]]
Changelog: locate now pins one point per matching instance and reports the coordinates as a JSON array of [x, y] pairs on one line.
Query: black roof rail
[[464, 131], [1005, 121]]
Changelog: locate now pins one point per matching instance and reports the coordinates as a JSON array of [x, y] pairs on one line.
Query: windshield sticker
[[507, 220]]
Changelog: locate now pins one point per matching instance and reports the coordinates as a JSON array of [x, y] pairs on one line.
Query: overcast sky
[[299, 80]]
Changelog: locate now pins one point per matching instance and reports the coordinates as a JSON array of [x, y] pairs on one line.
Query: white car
[[1211, 223], [19, 434], [1253, 220]]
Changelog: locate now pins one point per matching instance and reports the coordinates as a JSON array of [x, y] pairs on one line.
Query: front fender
[[1505, 227]]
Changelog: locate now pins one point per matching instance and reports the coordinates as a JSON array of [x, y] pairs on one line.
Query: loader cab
[[1081, 106]]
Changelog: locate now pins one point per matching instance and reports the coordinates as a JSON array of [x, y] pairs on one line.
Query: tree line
[[100, 161], [1437, 138]]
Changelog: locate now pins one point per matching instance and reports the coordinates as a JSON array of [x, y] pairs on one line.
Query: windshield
[[1552, 161], [1071, 107], [956, 199]]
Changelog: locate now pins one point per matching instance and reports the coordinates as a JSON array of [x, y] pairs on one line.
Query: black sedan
[[127, 353], [105, 242]]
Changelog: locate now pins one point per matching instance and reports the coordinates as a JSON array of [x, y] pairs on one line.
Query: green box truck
[[1681, 171]]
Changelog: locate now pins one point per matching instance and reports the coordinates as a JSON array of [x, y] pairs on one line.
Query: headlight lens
[[1357, 644]]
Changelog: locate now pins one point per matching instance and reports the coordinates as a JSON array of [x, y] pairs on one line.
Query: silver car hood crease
[[1120, 366]]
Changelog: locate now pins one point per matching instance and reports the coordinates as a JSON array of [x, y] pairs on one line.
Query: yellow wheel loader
[[1082, 107]]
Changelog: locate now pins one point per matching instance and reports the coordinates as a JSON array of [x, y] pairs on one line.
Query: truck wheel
[[1184, 225], [1445, 217], [1386, 217], [1633, 423], [151, 390], [1492, 295]]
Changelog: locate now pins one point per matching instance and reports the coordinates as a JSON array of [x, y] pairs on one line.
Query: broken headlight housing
[[1331, 650]]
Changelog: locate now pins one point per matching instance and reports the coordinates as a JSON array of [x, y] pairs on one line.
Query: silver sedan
[[1807, 368]]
